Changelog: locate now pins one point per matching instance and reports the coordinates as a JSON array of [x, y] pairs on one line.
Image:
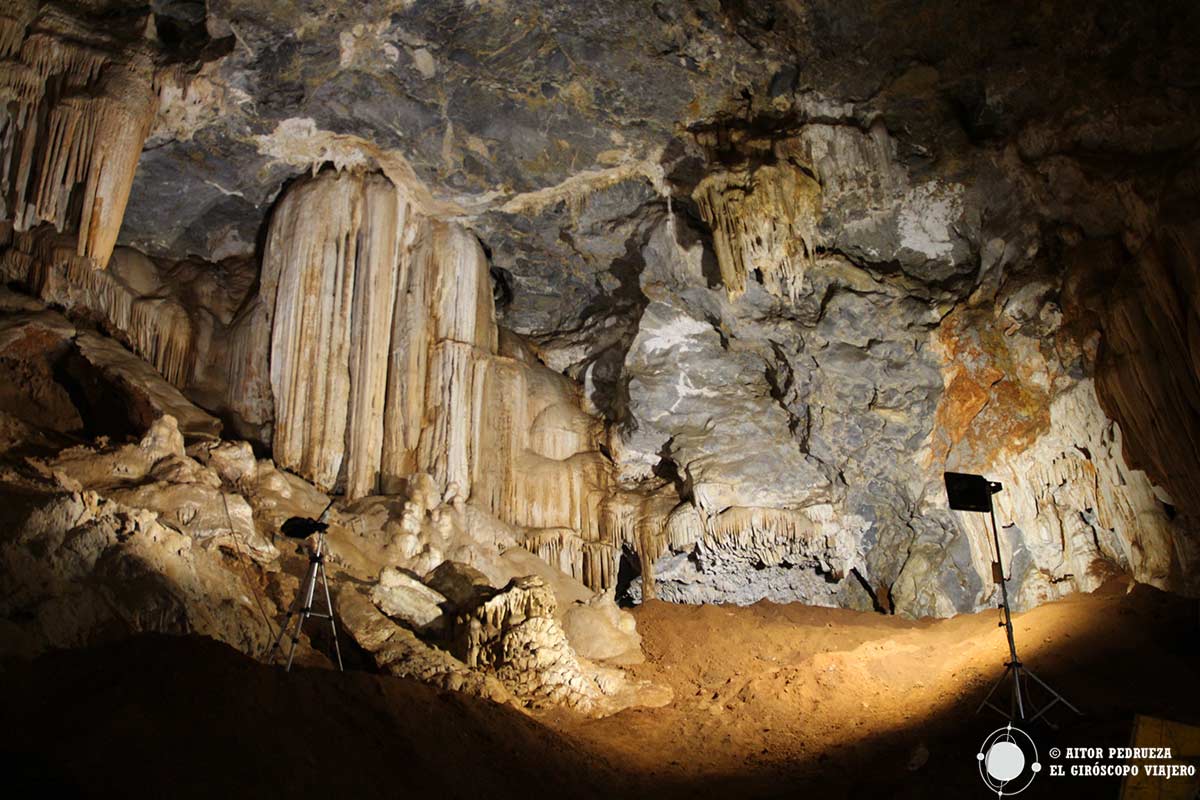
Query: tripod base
[[302, 608], [1021, 703]]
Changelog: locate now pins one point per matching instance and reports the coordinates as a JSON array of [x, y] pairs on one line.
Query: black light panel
[[968, 492]]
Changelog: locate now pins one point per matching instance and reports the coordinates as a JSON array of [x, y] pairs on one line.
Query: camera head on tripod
[[302, 527]]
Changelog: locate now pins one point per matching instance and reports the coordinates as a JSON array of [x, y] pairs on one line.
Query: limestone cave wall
[[711, 337]]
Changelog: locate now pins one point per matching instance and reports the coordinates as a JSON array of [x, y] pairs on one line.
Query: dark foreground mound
[[161, 716], [770, 701]]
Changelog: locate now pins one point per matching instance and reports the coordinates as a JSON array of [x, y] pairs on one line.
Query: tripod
[[316, 567], [1013, 668]]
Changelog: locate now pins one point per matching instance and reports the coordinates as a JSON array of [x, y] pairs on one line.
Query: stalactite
[[15, 16], [464, 329], [763, 221], [445, 451], [79, 112], [503, 434], [683, 527], [378, 270], [385, 363], [642, 520], [156, 328], [649, 524], [309, 273], [408, 364], [594, 564]]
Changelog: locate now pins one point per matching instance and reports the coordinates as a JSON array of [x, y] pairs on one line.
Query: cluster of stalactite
[[593, 564], [764, 223], [75, 109], [386, 361], [157, 328], [652, 524]]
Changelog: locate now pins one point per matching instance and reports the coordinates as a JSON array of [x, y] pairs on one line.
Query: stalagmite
[[514, 635], [763, 221], [79, 109]]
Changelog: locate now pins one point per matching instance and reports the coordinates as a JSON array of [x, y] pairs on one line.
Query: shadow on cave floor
[[770, 701]]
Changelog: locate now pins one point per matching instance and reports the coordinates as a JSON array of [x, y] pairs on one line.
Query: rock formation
[[79, 105], [559, 317], [763, 221]]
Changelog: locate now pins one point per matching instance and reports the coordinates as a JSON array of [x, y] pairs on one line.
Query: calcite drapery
[[386, 362], [330, 271], [77, 109], [381, 319], [763, 220], [384, 355]]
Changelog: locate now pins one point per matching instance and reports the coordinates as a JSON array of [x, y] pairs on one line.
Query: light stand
[[974, 493], [302, 528]]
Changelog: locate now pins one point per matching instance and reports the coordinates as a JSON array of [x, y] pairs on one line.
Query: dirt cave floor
[[770, 701]]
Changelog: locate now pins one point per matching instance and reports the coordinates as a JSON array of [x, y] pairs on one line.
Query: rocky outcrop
[[110, 539], [1144, 305], [514, 634], [84, 566], [407, 600]]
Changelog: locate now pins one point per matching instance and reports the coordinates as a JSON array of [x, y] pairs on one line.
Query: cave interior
[[623, 347]]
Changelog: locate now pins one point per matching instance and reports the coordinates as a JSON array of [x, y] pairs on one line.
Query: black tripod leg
[[1058, 698], [995, 686], [332, 623], [1017, 669], [278, 639], [287, 623], [309, 587]]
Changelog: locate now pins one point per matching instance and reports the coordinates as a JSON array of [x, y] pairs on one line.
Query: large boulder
[[407, 600]]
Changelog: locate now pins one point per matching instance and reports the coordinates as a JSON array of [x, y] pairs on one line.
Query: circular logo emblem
[[1008, 761]]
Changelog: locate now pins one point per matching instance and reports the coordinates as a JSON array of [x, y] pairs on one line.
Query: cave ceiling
[[557, 130]]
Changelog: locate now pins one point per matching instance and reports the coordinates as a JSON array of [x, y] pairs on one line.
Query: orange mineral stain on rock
[[993, 403]]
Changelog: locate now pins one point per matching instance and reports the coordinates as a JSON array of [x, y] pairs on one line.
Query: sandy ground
[[771, 701]]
